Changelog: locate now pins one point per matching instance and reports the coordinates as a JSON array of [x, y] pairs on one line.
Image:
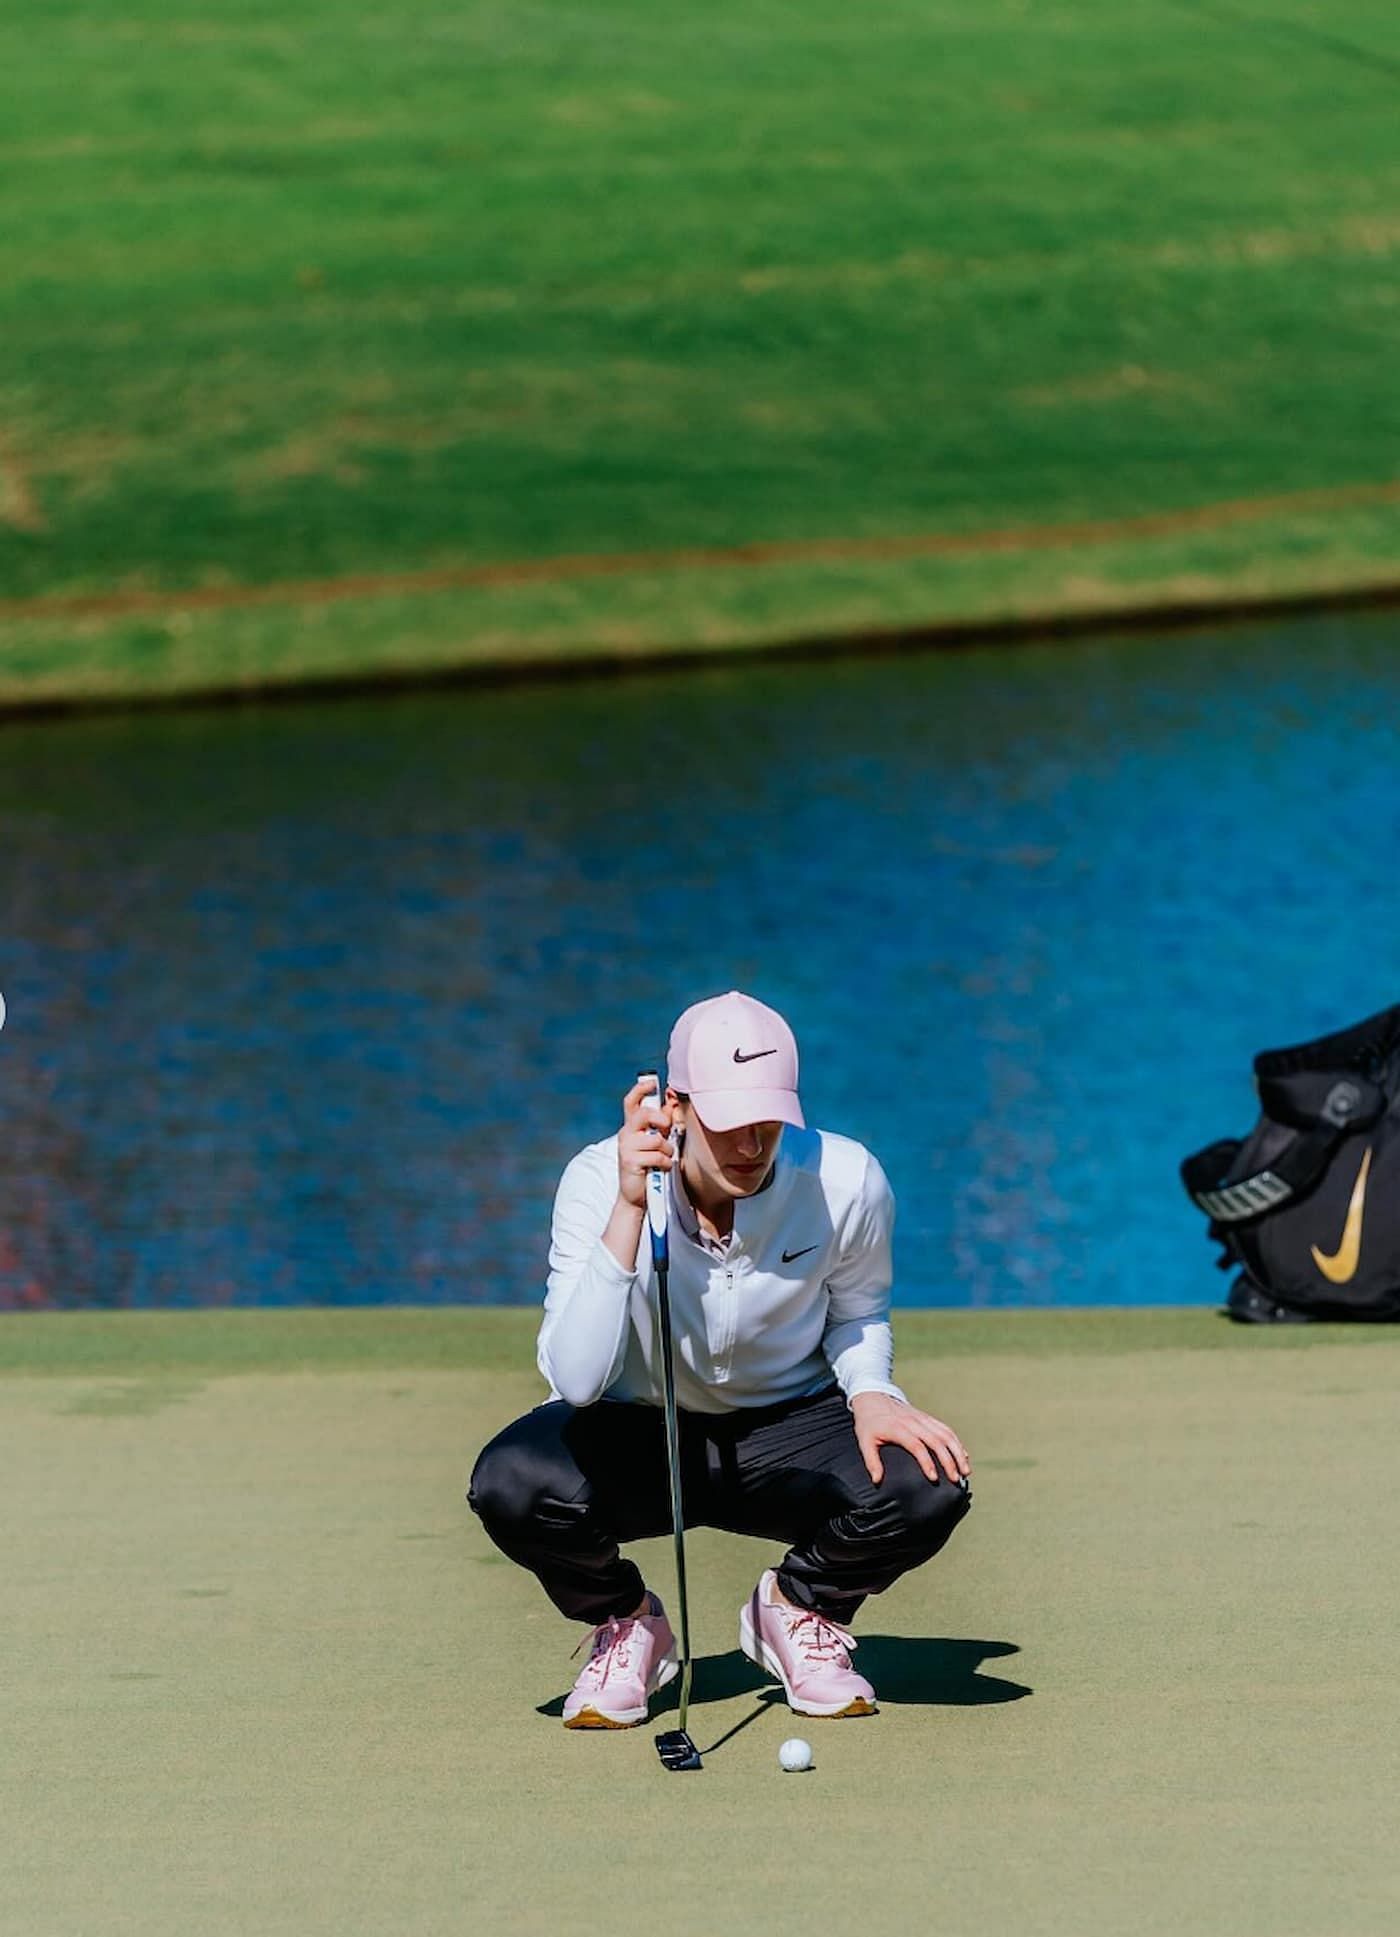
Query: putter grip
[[656, 1202]]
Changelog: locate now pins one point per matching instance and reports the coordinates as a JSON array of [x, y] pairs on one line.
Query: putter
[[674, 1746]]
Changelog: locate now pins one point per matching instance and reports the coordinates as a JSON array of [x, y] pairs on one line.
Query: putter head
[[677, 1751]]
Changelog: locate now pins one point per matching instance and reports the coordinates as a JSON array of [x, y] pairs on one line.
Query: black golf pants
[[560, 1488]]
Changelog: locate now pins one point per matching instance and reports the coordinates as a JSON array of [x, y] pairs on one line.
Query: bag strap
[[1292, 1174], [1325, 1090]]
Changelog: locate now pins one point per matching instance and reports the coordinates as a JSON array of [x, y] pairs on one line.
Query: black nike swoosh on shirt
[[740, 1057], [788, 1256]]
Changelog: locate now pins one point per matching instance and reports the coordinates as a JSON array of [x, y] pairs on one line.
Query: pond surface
[[311, 1004]]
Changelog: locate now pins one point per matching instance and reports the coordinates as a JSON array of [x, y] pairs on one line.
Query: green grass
[[219, 1344], [285, 297], [266, 1673]]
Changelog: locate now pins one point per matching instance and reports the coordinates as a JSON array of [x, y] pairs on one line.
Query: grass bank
[[221, 1344], [269, 1675], [381, 341]]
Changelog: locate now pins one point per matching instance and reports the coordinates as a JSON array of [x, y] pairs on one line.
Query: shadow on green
[[907, 1670]]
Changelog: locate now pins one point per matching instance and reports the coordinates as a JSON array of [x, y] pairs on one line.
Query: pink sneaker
[[630, 1660], [808, 1653]]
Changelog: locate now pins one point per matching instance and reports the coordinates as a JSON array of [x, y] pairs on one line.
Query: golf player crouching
[[790, 1426]]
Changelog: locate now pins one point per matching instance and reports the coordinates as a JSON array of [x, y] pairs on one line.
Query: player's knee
[[927, 1509], [502, 1492]]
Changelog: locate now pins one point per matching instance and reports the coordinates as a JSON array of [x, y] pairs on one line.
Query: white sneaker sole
[[592, 1717], [762, 1656]]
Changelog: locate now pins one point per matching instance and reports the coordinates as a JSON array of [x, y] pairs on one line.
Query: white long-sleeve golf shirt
[[798, 1294]]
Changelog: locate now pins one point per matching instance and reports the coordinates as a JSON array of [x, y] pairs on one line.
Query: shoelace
[[612, 1648], [819, 1639]]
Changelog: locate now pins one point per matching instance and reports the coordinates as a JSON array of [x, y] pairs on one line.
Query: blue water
[[311, 1005]]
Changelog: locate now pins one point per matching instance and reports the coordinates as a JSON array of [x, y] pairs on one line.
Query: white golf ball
[[795, 1754]]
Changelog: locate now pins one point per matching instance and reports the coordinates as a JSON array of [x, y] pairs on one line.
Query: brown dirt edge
[[570, 567], [1174, 615]]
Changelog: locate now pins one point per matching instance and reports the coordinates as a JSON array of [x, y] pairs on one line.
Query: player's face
[[729, 1163]]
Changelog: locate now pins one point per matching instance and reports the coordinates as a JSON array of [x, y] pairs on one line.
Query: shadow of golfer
[[934, 1671], [907, 1670]]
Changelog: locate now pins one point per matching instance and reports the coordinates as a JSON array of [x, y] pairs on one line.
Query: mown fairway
[[266, 1675], [287, 295]]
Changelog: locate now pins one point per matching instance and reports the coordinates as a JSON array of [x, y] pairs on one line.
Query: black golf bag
[[1308, 1204]]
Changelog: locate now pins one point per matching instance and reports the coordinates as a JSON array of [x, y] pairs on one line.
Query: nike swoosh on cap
[[740, 1057], [788, 1256]]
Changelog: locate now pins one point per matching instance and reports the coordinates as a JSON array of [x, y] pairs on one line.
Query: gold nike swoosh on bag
[[1340, 1267]]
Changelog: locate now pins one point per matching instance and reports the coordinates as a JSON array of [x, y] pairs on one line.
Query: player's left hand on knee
[[883, 1420]]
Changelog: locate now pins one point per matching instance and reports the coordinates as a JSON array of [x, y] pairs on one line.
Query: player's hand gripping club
[[643, 1144]]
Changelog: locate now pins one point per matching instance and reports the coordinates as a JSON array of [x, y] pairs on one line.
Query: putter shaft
[[673, 1459], [674, 1746]]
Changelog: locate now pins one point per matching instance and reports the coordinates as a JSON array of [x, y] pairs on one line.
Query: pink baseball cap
[[736, 1059]]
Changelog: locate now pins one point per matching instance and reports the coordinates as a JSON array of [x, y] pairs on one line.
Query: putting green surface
[[354, 340], [267, 1675]]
